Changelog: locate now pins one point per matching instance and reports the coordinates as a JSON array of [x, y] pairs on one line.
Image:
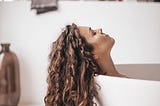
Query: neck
[[106, 64]]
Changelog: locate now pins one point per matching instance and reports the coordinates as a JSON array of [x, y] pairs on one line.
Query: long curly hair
[[71, 71]]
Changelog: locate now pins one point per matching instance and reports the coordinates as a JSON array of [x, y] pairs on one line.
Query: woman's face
[[101, 42]]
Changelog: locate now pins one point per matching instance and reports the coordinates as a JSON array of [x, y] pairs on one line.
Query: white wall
[[135, 27]]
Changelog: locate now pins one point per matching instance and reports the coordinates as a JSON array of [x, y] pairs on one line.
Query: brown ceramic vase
[[9, 77]]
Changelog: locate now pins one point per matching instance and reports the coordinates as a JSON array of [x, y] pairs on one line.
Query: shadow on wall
[[140, 71]]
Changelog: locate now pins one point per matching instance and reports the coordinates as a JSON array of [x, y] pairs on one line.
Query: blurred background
[[135, 26]]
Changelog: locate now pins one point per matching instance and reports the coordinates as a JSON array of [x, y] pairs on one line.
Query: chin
[[112, 41]]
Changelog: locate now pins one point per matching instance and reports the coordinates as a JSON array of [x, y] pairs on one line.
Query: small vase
[[9, 77]]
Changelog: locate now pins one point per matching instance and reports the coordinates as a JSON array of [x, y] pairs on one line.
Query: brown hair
[[71, 71]]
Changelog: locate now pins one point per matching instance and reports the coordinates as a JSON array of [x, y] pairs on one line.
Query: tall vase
[[9, 77]]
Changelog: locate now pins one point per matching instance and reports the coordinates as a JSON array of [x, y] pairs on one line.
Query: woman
[[77, 56]]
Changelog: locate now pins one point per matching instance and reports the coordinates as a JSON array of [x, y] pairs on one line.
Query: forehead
[[83, 28], [84, 31]]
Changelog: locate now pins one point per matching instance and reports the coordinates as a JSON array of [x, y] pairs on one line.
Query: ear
[[95, 57]]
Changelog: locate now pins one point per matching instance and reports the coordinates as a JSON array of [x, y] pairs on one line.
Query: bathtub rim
[[123, 78]]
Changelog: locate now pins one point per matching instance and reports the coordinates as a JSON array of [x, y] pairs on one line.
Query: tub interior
[[140, 71]]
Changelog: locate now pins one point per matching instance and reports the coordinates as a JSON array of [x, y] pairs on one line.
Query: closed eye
[[93, 32]]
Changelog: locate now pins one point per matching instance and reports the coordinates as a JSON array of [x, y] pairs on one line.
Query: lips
[[106, 35]]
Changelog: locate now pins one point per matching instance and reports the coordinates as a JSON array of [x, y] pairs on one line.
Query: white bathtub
[[142, 89]]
